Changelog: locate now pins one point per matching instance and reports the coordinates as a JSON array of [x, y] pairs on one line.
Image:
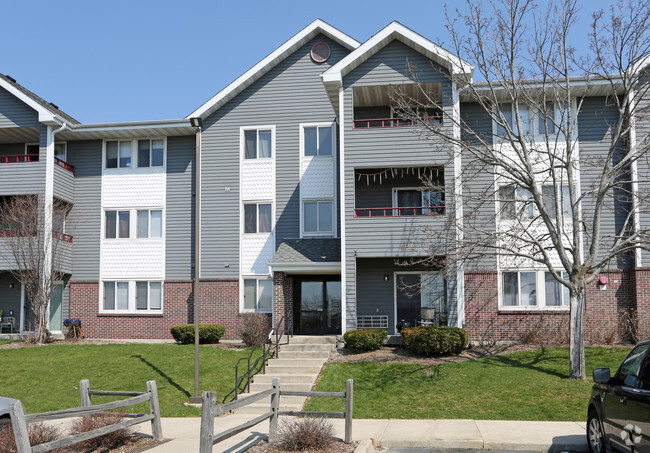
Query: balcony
[[23, 158], [18, 233], [410, 211]]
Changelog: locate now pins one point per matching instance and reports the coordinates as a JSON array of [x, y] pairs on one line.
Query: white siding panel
[[256, 253], [141, 189], [317, 177], [257, 180], [133, 259]]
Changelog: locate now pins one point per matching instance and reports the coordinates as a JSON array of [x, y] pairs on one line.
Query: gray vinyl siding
[[63, 184], [477, 184], [386, 148], [21, 178], [7, 262], [180, 204], [63, 256], [15, 113], [289, 94], [595, 120], [10, 297], [85, 216]]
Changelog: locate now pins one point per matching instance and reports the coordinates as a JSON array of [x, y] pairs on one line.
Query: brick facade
[[283, 300], [219, 303], [606, 311]]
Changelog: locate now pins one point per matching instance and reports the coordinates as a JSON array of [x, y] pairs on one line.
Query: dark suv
[[619, 408]]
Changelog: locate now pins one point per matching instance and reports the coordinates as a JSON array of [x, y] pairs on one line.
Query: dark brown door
[[317, 306]]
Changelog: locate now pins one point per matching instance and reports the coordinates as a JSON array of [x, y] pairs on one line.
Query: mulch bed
[[334, 447]]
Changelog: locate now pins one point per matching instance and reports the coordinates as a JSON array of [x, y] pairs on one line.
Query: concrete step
[[310, 339], [293, 362], [267, 379], [298, 387], [283, 369], [306, 348], [304, 355]]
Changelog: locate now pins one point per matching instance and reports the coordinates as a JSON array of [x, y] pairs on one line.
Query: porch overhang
[[308, 256], [307, 268]]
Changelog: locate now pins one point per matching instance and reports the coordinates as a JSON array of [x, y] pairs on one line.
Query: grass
[[46, 378], [532, 385], [6, 341]]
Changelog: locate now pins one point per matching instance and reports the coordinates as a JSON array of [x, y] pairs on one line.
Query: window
[[544, 120], [516, 203], [258, 294], [318, 217], [117, 224], [257, 218], [116, 295], [59, 152], [149, 223], [150, 153], [409, 199], [318, 141], [629, 370], [148, 295], [533, 121], [536, 289], [548, 195], [257, 144], [118, 154]]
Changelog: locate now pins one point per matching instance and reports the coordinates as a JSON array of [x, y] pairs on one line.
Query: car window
[[644, 377], [629, 369]]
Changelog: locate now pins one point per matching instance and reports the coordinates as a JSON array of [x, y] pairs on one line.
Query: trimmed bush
[[313, 434], [254, 328], [208, 333], [435, 340], [364, 339]]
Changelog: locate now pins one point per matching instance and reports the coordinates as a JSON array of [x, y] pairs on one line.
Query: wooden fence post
[[349, 398], [20, 427], [209, 401], [84, 389], [154, 409], [275, 408]]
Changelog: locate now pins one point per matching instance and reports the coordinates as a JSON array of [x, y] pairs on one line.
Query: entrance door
[[415, 292], [317, 306]]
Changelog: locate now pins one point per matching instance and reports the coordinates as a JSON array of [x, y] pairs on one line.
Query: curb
[[365, 446]]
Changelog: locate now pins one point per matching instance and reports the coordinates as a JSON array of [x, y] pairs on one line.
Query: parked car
[[4, 406], [619, 408]]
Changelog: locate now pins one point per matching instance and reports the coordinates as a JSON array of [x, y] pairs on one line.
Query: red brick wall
[[484, 321], [642, 287], [283, 300], [219, 303]]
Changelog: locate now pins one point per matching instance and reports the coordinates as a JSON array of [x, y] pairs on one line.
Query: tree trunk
[[576, 333]]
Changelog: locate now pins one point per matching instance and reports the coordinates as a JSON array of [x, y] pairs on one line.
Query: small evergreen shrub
[[435, 340], [360, 340], [208, 333]]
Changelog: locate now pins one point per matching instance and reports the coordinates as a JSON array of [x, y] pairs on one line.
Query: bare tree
[[36, 255], [542, 199]]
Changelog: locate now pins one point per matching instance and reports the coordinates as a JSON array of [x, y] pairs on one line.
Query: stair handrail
[[279, 335]]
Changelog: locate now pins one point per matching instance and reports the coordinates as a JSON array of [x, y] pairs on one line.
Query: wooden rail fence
[[210, 410], [20, 419]]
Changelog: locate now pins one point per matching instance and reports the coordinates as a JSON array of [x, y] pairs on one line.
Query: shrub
[[435, 340], [208, 333], [364, 339], [108, 441], [305, 434], [254, 328], [39, 433]]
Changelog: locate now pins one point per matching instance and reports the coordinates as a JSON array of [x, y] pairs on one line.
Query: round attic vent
[[320, 52]]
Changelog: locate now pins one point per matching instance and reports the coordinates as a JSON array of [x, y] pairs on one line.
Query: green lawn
[[520, 386], [6, 341], [44, 378]]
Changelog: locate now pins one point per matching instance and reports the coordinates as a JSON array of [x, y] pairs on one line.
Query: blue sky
[[144, 60]]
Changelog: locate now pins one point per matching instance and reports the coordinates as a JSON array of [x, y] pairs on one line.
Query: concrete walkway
[[457, 434]]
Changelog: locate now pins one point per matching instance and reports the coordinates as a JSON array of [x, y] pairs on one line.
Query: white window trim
[[134, 157], [326, 234], [301, 128], [241, 293], [257, 203], [242, 143], [535, 133], [133, 223], [31, 144], [540, 292], [131, 310]]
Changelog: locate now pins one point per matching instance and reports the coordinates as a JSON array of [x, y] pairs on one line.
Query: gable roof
[[393, 31], [273, 59], [45, 110]]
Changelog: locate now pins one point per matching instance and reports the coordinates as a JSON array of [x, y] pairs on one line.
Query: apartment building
[[312, 207]]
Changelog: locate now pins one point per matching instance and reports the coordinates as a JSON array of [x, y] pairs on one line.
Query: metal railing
[[21, 232], [63, 164], [409, 211], [375, 123], [20, 158]]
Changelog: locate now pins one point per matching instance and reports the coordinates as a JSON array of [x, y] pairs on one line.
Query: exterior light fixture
[[386, 277], [196, 122], [602, 282]]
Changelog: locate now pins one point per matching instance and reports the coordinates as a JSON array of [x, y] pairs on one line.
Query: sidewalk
[[458, 434]]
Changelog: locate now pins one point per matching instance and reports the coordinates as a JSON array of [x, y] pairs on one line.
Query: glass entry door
[[421, 298], [317, 307]]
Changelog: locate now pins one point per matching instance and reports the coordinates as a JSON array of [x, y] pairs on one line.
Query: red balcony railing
[[18, 158], [21, 232], [393, 122], [413, 211]]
